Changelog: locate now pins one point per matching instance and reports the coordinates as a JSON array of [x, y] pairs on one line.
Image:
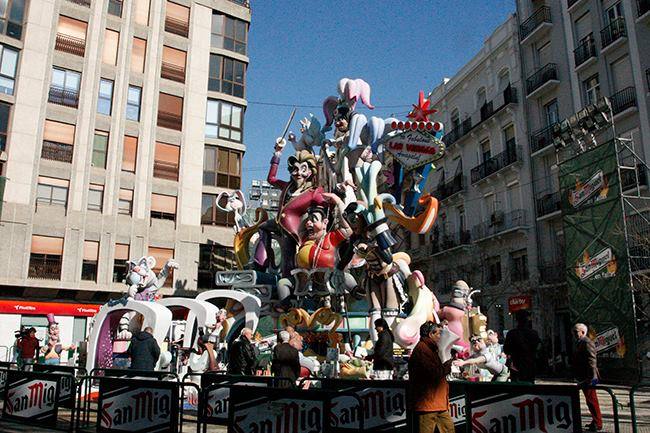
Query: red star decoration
[[421, 112]]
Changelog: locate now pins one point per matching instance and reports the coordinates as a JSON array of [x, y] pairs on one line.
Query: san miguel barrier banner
[[67, 383], [596, 258], [31, 397], [215, 402], [137, 406]]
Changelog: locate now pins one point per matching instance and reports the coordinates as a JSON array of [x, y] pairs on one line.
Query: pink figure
[[455, 313]]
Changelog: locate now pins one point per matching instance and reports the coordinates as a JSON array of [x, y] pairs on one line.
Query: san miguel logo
[[136, 409], [457, 409], [602, 265], [525, 413], [284, 416], [217, 403], [379, 406], [34, 398], [594, 189]]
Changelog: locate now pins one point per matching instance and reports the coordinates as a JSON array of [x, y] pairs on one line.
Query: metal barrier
[[636, 417], [615, 404]]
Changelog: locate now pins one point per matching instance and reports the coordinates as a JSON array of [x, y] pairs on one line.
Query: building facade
[[121, 124], [263, 194]]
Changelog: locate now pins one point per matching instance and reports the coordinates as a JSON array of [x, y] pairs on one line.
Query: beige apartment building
[[120, 123]]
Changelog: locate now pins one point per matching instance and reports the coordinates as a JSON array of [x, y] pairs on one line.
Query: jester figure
[[53, 348]]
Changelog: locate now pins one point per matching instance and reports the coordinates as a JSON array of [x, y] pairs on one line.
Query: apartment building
[[121, 122], [485, 232], [263, 194]]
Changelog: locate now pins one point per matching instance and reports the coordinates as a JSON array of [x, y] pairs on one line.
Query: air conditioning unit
[[496, 219]]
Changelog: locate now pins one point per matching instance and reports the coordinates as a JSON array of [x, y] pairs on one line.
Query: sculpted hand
[[279, 144]]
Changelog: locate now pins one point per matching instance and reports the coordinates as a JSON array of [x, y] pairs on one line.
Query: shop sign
[[414, 148], [31, 398], [517, 303], [43, 308], [607, 339]]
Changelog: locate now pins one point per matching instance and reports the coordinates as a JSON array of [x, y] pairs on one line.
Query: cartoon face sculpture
[[302, 167], [142, 280], [314, 226]]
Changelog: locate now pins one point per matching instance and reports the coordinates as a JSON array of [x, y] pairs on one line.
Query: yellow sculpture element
[[243, 238], [422, 222], [299, 318]]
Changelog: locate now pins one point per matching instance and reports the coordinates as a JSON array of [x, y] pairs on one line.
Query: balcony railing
[[176, 26], [70, 44], [165, 170], [614, 31], [543, 75], [449, 241], [542, 138], [59, 95], [511, 155], [539, 17], [81, 2], [623, 99], [553, 271], [44, 267], [56, 151], [549, 203], [570, 3], [629, 178], [642, 7], [172, 72], [499, 222], [585, 51], [170, 120], [447, 189], [455, 134]]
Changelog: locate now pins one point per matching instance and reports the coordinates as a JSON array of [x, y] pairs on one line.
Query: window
[[8, 63], [105, 100], [222, 167], [115, 7], [58, 140], [11, 18], [481, 97], [228, 33], [162, 255], [119, 262], [64, 89], [138, 53], [614, 12], [591, 90], [133, 103], [494, 271], [4, 124], [166, 160], [173, 64], [519, 263], [111, 44], [163, 207], [141, 12], [213, 258], [226, 75], [212, 215], [170, 111], [223, 120], [71, 36], [129, 154], [455, 119], [95, 197], [91, 257], [509, 138], [552, 113], [125, 202], [45, 257], [177, 19], [504, 80], [100, 149], [52, 191], [486, 152]]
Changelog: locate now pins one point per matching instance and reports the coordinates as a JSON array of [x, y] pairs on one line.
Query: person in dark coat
[[241, 356], [286, 361], [521, 346], [382, 356], [144, 351], [28, 346], [585, 371]]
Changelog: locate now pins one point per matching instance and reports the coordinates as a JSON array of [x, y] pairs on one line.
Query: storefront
[[74, 321]]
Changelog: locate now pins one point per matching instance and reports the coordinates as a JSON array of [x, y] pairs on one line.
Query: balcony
[[454, 240], [585, 51], [165, 170], [553, 271], [571, 3], [56, 151], [541, 139], [455, 134], [643, 10], [487, 110], [59, 95], [70, 45], [613, 32], [549, 204], [453, 187], [535, 25], [623, 100], [44, 267], [542, 80], [85, 3], [170, 120], [497, 163], [499, 223], [178, 27], [172, 72]]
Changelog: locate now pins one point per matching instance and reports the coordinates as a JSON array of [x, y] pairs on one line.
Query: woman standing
[[382, 356]]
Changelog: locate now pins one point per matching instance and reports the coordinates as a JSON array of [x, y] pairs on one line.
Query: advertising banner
[[213, 407], [597, 271], [67, 384], [31, 397], [517, 303], [523, 408], [137, 406], [3, 381], [43, 308], [414, 148]]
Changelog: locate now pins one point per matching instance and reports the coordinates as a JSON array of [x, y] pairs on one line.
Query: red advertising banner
[[516, 303], [43, 308]]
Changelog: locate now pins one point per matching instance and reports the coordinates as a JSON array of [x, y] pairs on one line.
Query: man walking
[[585, 371], [241, 356], [144, 351], [286, 361], [428, 383], [521, 346], [28, 347]]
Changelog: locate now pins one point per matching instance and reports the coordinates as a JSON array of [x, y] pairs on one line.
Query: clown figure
[[53, 348]]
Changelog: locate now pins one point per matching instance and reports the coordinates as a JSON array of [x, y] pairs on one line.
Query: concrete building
[[121, 122], [263, 194]]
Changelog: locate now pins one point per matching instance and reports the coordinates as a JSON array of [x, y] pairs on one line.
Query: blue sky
[[300, 49]]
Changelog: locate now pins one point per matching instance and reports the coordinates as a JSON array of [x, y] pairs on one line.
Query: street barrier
[[634, 409], [615, 405]]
